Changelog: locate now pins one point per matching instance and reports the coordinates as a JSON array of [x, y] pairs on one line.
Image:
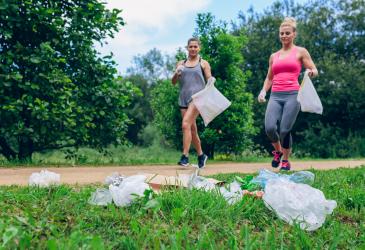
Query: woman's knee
[[284, 133], [186, 124], [270, 131]]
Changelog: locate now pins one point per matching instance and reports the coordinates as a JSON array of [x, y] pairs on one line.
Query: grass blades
[[61, 218]]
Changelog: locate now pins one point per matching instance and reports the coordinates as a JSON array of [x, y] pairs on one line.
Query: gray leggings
[[282, 109]]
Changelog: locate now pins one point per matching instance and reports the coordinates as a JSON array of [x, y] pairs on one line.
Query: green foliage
[[152, 66], [166, 112], [147, 70], [333, 33], [180, 219], [232, 130], [55, 89], [139, 111]]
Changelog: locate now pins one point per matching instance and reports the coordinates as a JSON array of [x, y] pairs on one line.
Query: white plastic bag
[[298, 202], [232, 193], [44, 178], [131, 188], [115, 179], [101, 197], [210, 102], [308, 97]]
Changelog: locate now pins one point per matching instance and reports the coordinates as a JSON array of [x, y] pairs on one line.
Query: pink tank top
[[286, 72]]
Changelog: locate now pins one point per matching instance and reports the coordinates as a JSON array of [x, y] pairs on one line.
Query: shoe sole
[[284, 169], [183, 165]]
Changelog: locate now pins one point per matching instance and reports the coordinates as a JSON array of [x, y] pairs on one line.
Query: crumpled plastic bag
[[131, 188], [297, 202], [200, 182], [232, 193], [44, 178], [101, 197], [115, 179], [264, 176]]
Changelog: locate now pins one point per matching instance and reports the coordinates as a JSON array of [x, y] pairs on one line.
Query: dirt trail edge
[[88, 175]]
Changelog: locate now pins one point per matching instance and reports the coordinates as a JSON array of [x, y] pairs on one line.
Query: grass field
[[123, 155], [61, 218], [153, 155]]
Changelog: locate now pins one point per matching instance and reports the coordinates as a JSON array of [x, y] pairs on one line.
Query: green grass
[[153, 155], [61, 218]]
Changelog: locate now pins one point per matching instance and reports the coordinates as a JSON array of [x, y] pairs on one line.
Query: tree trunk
[[6, 150], [26, 149]]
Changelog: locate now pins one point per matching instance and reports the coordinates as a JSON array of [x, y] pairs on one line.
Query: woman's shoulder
[[301, 49], [204, 63], [273, 55], [181, 62]]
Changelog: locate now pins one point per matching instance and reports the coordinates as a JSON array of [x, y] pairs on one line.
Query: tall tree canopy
[[55, 89]]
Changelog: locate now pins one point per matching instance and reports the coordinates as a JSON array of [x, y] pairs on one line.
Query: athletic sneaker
[[202, 159], [277, 158], [285, 165], [184, 161]]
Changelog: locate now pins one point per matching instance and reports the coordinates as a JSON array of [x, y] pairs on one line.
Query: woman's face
[[193, 48], [286, 35]]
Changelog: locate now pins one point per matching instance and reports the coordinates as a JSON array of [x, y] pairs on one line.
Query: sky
[[166, 24]]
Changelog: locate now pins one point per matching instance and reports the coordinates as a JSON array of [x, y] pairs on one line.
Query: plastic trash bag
[[44, 178], [101, 197], [131, 188], [232, 193], [298, 177], [210, 102], [308, 97], [200, 182], [298, 202], [115, 179]]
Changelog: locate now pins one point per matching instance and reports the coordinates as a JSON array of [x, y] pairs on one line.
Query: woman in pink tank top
[[282, 78]]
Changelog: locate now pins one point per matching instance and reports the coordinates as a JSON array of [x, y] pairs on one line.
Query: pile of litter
[[124, 190], [291, 197]]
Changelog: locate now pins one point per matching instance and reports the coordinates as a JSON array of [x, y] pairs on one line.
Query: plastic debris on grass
[[44, 178], [298, 203], [264, 176], [114, 179], [122, 190], [293, 199], [101, 197]]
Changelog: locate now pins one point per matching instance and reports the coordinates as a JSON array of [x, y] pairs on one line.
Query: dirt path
[[87, 175]]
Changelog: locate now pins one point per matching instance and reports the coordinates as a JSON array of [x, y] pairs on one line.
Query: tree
[[55, 89], [152, 66], [146, 71], [230, 132]]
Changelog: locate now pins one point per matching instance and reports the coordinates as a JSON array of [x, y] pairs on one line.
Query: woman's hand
[[179, 69], [312, 72], [261, 97]]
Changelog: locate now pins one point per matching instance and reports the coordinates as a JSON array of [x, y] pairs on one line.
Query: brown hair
[[194, 39], [289, 21]]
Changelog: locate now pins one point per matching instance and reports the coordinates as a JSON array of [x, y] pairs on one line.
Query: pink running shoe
[[277, 158], [285, 165]]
